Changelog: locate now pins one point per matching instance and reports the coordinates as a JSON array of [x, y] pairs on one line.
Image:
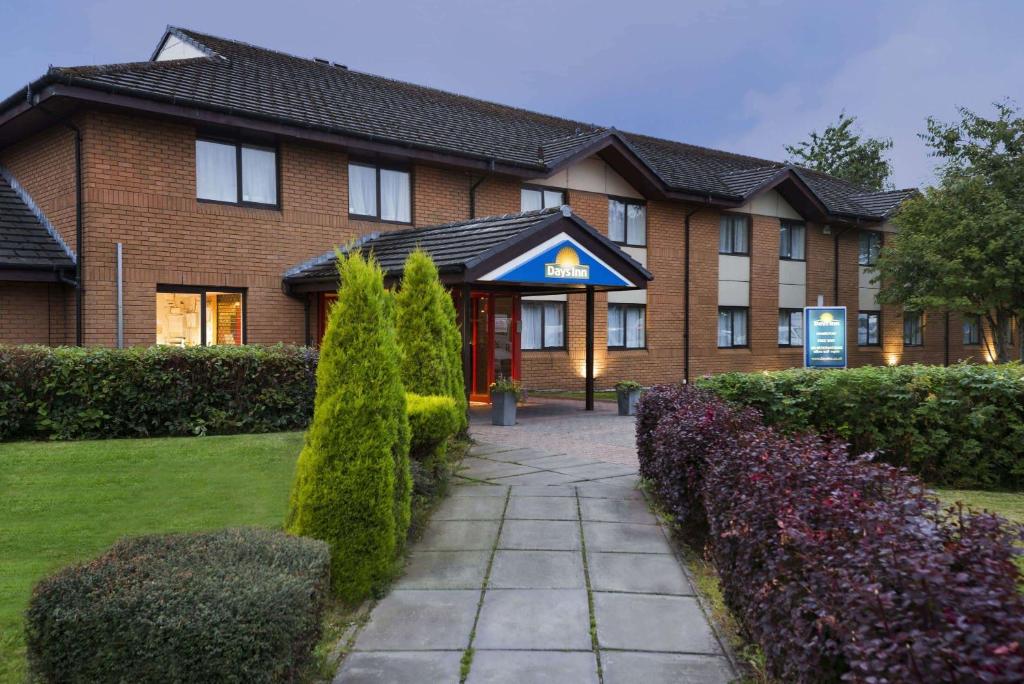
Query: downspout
[[474, 186], [686, 296]]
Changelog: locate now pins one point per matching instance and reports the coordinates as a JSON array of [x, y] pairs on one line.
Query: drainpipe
[[686, 296], [120, 296], [472, 194]]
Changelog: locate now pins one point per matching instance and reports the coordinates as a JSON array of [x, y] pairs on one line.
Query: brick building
[[165, 202]]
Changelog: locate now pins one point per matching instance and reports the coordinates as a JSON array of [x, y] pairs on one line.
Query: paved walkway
[[540, 568]]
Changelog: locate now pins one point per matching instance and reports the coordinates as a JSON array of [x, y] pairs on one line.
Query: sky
[[742, 76]]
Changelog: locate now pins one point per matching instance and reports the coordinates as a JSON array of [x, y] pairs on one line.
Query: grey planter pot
[[503, 408], [627, 401]]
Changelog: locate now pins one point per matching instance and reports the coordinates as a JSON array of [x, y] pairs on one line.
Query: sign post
[[825, 337]]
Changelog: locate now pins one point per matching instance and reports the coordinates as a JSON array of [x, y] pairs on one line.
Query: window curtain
[[553, 198], [362, 190], [724, 329], [636, 224], [530, 200], [796, 242], [739, 328], [216, 171], [784, 331], [616, 334], [796, 328], [259, 176], [635, 327], [554, 326], [395, 202], [531, 315], [739, 234], [616, 221]]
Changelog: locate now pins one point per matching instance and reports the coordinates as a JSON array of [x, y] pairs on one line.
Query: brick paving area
[[544, 568]]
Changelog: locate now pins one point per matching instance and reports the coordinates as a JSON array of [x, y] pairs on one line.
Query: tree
[[428, 333], [960, 245], [352, 482], [842, 153]]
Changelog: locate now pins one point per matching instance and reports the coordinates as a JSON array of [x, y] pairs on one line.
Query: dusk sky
[[745, 77]]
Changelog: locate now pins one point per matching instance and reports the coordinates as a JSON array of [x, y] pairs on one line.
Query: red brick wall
[[34, 313]]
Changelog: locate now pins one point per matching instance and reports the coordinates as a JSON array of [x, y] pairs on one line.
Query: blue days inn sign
[[560, 260], [825, 337]]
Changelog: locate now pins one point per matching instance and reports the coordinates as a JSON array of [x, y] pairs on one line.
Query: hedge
[[88, 393], [841, 569], [960, 426], [235, 605]]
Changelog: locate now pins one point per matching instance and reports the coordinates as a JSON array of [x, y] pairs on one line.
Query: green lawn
[[62, 502], [1007, 504]]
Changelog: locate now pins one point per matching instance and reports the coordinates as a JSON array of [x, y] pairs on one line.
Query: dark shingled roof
[[251, 81], [27, 241]]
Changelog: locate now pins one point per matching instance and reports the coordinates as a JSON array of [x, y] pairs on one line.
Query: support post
[[589, 405], [466, 308]]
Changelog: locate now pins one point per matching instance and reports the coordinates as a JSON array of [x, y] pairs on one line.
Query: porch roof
[[508, 251]]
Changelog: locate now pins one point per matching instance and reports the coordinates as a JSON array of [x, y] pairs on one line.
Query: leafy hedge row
[[84, 393], [840, 568], [239, 605], [961, 426]]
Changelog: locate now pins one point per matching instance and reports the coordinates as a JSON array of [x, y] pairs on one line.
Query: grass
[[1010, 505], [65, 502]]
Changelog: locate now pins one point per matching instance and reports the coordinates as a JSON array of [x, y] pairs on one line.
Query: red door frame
[[489, 297]]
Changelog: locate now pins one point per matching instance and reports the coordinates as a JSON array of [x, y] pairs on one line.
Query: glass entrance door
[[494, 341]]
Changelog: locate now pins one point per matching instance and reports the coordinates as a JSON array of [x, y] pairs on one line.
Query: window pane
[[553, 198], [531, 315], [223, 318], [616, 221], [784, 240], [259, 176], [796, 328], [783, 327], [797, 234], [395, 204], [216, 171], [362, 190], [530, 200], [739, 234], [739, 328], [178, 319], [636, 224], [554, 326], [862, 329], [725, 235], [616, 334], [635, 327], [724, 329]]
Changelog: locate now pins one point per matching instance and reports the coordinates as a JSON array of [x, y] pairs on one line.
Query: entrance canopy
[[489, 263], [548, 251]]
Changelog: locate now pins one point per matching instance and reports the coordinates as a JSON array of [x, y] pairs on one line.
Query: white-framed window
[[870, 246], [533, 198], [379, 193], [791, 327], [732, 326], [734, 234], [193, 316], [627, 326], [792, 240], [235, 173], [627, 222], [972, 329], [543, 325], [869, 329], [913, 329]]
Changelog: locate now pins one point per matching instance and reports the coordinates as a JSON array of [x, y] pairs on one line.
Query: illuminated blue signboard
[[825, 336], [558, 261]]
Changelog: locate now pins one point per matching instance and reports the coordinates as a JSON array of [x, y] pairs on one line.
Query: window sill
[[545, 349], [627, 349], [242, 205], [744, 346]]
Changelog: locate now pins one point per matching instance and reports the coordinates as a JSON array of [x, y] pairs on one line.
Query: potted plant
[[628, 393], [505, 393]]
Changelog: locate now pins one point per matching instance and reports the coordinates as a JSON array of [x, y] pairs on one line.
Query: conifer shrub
[[428, 334], [352, 483], [237, 605], [433, 420]]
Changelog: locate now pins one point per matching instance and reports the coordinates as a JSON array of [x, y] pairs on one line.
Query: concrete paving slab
[[542, 490], [625, 480], [624, 537], [615, 510], [477, 489], [470, 508], [542, 508], [521, 455], [419, 620], [541, 477], [594, 471], [533, 667], [639, 622], [540, 535], [492, 469], [534, 619], [563, 461], [598, 490], [445, 570], [459, 535], [400, 668], [644, 573], [537, 570], [629, 667]]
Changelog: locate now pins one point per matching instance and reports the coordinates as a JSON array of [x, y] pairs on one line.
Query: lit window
[[189, 317], [870, 245], [627, 222], [732, 326], [543, 325], [972, 329], [627, 326], [913, 329], [379, 194], [531, 199], [791, 327], [734, 234], [868, 329], [791, 240], [235, 173]]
